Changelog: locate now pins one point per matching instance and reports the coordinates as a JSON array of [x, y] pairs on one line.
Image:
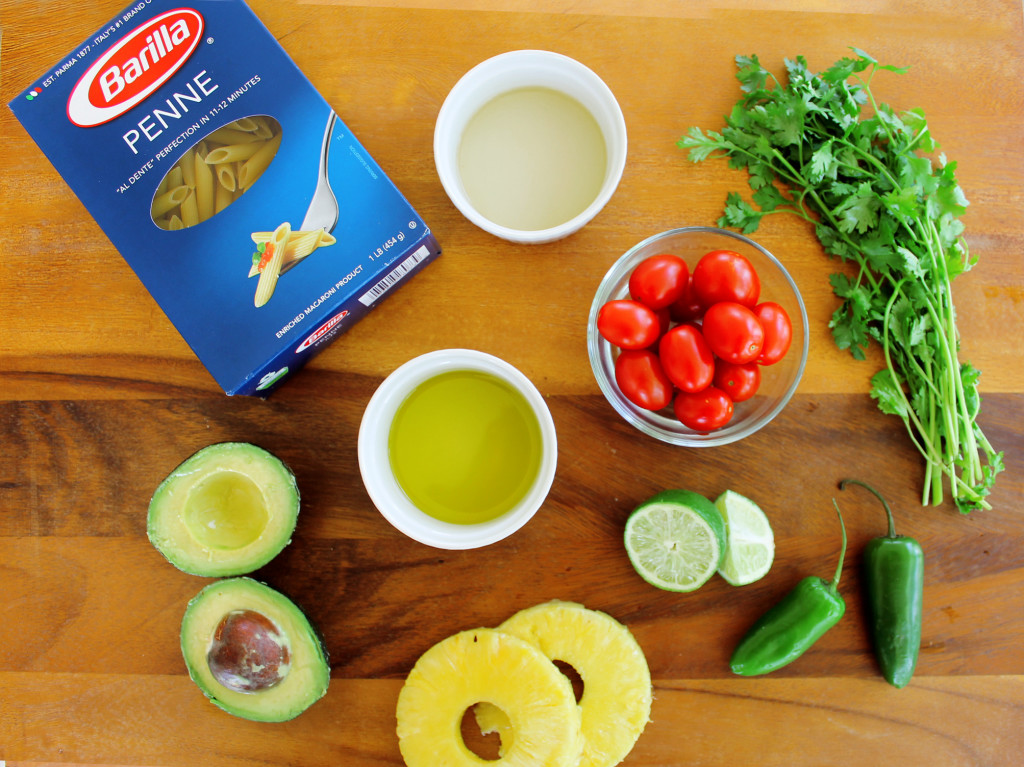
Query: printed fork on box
[[254, 217]]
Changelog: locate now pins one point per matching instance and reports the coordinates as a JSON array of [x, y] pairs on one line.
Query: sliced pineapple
[[616, 702], [485, 665]]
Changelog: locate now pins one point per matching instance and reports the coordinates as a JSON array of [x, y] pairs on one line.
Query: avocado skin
[[302, 687], [165, 527]]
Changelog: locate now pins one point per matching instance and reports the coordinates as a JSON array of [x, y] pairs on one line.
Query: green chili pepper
[[788, 629], [894, 575]]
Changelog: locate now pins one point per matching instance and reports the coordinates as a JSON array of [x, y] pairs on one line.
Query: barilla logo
[[323, 330], [134, 67]]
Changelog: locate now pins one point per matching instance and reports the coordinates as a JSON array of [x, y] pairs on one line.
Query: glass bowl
[[778, 381]]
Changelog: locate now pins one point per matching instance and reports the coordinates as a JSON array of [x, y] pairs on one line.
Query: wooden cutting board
[[100, 398]]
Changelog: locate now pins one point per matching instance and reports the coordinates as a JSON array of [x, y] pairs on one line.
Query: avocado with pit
[[227, 510], [252, 651]]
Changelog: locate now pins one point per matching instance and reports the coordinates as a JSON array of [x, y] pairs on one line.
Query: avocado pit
[[248, 652]]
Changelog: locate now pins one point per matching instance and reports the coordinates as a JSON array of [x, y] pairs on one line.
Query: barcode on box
[[394, 276]]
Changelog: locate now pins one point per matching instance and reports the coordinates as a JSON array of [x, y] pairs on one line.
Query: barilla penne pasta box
[[254, 217]]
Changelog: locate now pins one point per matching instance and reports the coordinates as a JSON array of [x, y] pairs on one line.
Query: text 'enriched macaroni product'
[[254, 217]]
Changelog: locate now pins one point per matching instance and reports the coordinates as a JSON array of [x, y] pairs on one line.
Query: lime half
[[675, 540], [750, 547]]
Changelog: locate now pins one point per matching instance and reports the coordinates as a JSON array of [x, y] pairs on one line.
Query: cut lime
[[675, 540], [750, 543]]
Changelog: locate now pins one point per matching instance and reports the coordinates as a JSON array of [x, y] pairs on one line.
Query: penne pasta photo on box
[[241, 200]]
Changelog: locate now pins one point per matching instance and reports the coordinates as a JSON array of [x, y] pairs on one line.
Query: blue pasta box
[[253, 216]]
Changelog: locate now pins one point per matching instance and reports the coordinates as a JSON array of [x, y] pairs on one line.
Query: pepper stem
[[878, 495], [842, 552]]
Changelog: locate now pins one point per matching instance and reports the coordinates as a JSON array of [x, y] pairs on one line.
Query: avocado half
[[227, 510], [252, 651]]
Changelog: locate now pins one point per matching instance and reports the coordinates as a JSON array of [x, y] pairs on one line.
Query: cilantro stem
[[878, 165], [874, 104], [933, 478]]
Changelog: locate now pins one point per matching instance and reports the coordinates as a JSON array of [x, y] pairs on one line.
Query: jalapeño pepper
[[788, 629], [894, 577]]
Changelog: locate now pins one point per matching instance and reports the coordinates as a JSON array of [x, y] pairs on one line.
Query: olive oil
[[465, 447], [532, 158]]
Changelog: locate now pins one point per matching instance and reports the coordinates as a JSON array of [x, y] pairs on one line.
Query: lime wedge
[[750, 543], [675, 540]]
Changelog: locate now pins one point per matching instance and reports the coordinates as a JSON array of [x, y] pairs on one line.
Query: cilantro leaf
[[739, 214], [769, 198], [822, 164], [751, 74], [701, 147], [859, 211], [888, 393]]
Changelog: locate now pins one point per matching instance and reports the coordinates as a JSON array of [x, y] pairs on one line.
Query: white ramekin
[[521, 69], [375, 464]]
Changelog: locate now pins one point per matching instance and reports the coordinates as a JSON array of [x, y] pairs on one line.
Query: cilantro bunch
[[878, 202]]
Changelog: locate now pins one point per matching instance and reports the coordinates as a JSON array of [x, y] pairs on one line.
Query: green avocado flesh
[[252, 651], [227, 510]]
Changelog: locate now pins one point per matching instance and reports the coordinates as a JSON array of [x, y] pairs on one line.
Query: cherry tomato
[[686, 358], [642, 380], [705, 410], [778, 332], [740, 382], [664, 321], [628, 324], [659, 280], [687, 307], [723, 275], [733, 332]]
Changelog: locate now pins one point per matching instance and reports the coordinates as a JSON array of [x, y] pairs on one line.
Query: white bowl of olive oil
[[457, 449], [530, 145]]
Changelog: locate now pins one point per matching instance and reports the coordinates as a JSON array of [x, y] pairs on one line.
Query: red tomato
[[733, 332], [659, 280], [686, 358], [778, 332], [740, 382], [723, 275], [687, 307], [705, 410], [642, 380], [628, 324], [664, 321]]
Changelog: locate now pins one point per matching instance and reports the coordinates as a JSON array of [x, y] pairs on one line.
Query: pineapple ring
[[616, 702], [486, 665]]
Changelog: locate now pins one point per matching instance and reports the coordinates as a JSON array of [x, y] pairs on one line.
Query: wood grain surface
[[100, 398]]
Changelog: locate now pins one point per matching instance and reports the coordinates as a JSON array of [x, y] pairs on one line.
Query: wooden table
[[101, 398]]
